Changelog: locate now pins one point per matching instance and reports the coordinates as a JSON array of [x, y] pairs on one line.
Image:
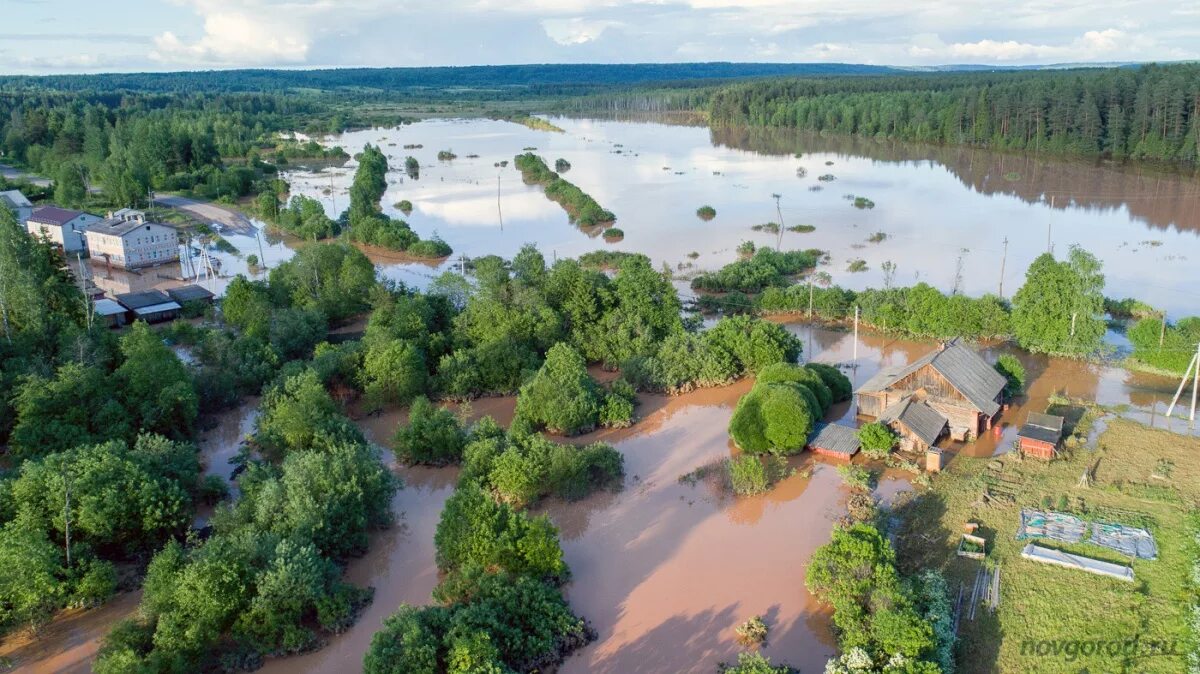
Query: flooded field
[[665, 568], [932, 203]]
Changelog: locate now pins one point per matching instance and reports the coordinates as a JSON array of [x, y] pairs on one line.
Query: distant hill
[[400, 79]]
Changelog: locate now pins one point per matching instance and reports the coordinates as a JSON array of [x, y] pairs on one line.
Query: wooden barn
[[952, 381], [1040, 435], [834, 440]]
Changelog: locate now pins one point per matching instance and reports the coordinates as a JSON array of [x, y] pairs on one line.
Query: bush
[[790, 372], [706, 212], [838, 383], [524, 468], [877, 439], [775, 418], [404, 206], [475, 530], [1008, 365], [766, 267], [613, 234], [754, 475], [753, 632], [432, 435], [561, 397]]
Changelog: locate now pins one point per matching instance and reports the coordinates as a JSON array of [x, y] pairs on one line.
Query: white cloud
[[1092, 45], [576, 30]]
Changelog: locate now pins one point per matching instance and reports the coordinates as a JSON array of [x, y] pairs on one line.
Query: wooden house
[[109, 313], [834, 440], [952, 382], [1040, 435]]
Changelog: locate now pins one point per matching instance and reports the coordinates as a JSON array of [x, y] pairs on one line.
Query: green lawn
[[1046, 603]]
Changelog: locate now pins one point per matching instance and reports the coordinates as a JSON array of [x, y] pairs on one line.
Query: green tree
[[432, 435], [1009, 366], [1060, 308], [877, 439], [561, 396], [155, 385], [69, 190]]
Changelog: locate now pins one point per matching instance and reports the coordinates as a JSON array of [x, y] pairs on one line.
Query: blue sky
[[54, 36]]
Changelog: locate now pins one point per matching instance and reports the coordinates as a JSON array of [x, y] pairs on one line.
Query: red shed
[[834, 440], [1040, 435]]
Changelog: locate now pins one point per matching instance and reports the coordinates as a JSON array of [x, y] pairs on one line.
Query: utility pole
[[1193, 369], [498, 211], [1049, 225], [1003, 260], [262, 258], [779, 211], [67, 516], [855, 338]]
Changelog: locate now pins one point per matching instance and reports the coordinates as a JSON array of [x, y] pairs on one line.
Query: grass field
[[1053, 619]]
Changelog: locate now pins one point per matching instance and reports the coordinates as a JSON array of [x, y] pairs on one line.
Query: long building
[[126, 239]]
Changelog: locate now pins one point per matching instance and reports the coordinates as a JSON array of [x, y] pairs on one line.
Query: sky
[[73, 36]]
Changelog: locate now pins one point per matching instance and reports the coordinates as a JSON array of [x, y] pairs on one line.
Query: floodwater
[[664, 569], [934, 203], [1140, 396]]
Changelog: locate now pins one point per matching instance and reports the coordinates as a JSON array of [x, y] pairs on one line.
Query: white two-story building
[[126, 239], [62, 226]]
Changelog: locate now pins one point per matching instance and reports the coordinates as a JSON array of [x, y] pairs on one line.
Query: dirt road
[[210, 212]]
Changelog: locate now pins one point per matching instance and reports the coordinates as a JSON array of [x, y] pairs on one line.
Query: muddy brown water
[[664, 569]]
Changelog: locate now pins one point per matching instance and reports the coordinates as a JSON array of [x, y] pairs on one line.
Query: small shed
[[1040, 435], [151, 306], [834, 440], [109, 313], [918, 425], [191, 293]]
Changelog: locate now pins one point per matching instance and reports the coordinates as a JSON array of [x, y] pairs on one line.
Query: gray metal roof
[[143, 299], [1044, 427], [835, 438], [189, 293], [924, 421], [107, 307], [117, 226], [965, 369], [157, 308], [16, 199]]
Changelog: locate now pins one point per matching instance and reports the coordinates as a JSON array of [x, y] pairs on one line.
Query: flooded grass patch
[[1042, 603]]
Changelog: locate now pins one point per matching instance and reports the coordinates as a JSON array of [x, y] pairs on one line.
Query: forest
[[1148, 112], [265, 577]]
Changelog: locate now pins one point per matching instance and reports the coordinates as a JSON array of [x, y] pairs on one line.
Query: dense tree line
[[1147, 112], [579, 205], [129, 145], [1059, 309]]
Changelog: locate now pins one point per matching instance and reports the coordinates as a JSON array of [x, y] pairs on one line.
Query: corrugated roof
[[157, 308], [117, 226], [142, 299], [53, 215], [189, 293], [919, 418], [1044, 427], [965, 369], [835, 438], [107, 307]]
